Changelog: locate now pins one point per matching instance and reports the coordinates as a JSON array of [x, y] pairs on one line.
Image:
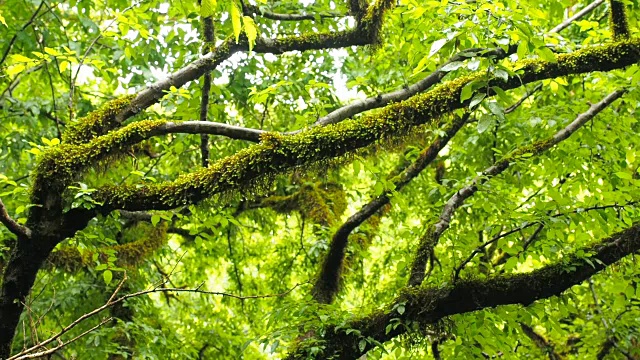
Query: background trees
[[390, 178]]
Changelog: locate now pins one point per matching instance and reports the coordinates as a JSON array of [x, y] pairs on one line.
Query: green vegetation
[[457, 222]]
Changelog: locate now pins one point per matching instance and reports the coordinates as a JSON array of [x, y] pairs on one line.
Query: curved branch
[[587, 9], [434, 231], [429, 305], [365, 33], [381, 100], [19, 230], [279, 153]]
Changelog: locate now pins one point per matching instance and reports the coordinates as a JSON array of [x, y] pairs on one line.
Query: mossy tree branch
[[618, 20], [435, 229], [429, 305], [328, 281], [279, 153], [365, 33]]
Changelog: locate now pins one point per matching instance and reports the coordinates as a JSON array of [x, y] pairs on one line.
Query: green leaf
[[362, 344], [236, 20], [452, 66], [477, 99], [485, 122], [207, 8], [467, 91], [546, 54], [155, 219], [251, 31], [107, 275], [436, 46]]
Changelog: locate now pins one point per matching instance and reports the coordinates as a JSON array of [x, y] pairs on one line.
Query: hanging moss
[[320, 203], [71, 259], [97, 123]]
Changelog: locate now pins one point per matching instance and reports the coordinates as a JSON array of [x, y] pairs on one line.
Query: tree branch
[[618, 20], [19, 230], [381, 100], [279, 153], [328, 281], [434, 231], [365, 33], [208, 32], [542, 343], [430, 305], [587, 9]]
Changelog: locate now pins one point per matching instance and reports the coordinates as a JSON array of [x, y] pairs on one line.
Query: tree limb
[[328, 281], [434, 231], [587, 9], [279, 153], [430, 305], [19, 230]]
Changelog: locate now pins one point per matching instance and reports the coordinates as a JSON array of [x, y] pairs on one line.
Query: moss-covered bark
[[72, 259], [280, 153]]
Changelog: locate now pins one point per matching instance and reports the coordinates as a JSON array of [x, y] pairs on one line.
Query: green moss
[[618, 21], [151, 239], [97, 122], [320, 203], [58, 166]]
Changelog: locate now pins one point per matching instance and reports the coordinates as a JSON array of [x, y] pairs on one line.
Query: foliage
[[448, 214]]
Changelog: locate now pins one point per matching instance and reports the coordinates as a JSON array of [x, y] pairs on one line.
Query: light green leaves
[[251, 31], [207, 8], [236, 20]]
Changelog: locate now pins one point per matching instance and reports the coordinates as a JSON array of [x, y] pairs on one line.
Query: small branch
[[577, 16], [381, 100], [513, 107], [15, 36], [19, 230], [208, 32], [434, 231], [542, 343], [252, 10], [54, 349], [211, 128]]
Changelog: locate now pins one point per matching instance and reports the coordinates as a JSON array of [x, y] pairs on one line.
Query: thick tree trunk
[[20, 274]]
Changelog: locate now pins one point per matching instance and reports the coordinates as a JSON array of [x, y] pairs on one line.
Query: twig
[[54, 349], [577, 16], [19, 230], [15, 36]]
